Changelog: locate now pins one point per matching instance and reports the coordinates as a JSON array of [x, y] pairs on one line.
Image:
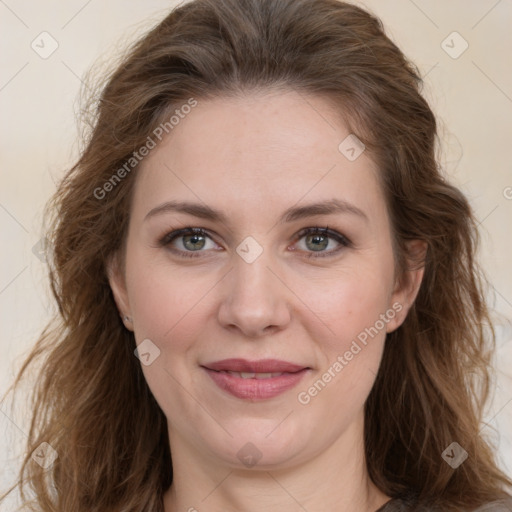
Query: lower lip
[[256, 389]]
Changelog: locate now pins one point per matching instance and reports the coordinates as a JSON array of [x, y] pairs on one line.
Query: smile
[[257, 380], [252, 375]]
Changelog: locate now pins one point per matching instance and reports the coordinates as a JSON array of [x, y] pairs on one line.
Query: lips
[[261, 366], [255, 380]]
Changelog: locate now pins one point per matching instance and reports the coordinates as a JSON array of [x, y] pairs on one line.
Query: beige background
[[472, 95]]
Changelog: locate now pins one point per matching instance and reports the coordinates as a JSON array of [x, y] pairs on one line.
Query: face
[[261, 316]]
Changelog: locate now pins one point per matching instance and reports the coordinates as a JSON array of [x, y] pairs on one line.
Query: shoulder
[[504, 505], [411, 505]]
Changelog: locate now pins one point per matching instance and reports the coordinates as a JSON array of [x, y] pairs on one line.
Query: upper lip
[[259, 366]]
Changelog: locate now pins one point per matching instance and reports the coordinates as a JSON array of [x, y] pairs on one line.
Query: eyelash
[[341, 239]]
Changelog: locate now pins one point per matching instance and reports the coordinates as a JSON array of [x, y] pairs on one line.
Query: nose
[[256, 301]]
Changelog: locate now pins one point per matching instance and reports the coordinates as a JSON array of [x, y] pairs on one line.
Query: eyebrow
[[294, 213]]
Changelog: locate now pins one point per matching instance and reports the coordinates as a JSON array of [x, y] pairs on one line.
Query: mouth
[[255, 380]]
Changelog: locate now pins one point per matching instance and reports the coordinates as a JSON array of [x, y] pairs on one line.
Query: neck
[[336, 479]]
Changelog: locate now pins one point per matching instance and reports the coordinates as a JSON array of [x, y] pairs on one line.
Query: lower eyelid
[[339, 238], [326, 254], [173, 240]]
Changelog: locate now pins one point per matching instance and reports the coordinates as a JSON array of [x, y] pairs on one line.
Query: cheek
[[352, 303], [351, 350], [169, 309], [164, 301]]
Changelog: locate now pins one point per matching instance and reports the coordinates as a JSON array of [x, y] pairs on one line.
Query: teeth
[[253, 375]]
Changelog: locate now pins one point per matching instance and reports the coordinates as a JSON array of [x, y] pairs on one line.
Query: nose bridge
[[255, 299], [252, 278]]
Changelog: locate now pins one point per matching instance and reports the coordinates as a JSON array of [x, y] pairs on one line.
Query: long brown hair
[[91, 402]]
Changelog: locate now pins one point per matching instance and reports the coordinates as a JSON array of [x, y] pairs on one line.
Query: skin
[[252, 157]]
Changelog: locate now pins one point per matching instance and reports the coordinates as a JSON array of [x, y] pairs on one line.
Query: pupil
[[319, 241], [194, 239]]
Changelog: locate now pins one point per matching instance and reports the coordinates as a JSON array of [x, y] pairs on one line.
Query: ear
[[117, 282], [408, 285]]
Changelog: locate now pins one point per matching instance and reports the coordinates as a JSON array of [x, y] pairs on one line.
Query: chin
[[260, 444]]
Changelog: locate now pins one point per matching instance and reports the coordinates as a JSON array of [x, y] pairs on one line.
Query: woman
[[267, 288]]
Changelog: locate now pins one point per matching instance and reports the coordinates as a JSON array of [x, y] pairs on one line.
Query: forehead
[[278, 148]]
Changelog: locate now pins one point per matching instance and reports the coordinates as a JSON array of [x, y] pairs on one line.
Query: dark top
[[411, 505]]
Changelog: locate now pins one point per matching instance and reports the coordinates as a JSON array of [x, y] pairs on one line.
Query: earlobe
[[408, 285]]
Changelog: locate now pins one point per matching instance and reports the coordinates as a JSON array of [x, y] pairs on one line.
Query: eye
[[185, 242], [191, 242], [317, 239]]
